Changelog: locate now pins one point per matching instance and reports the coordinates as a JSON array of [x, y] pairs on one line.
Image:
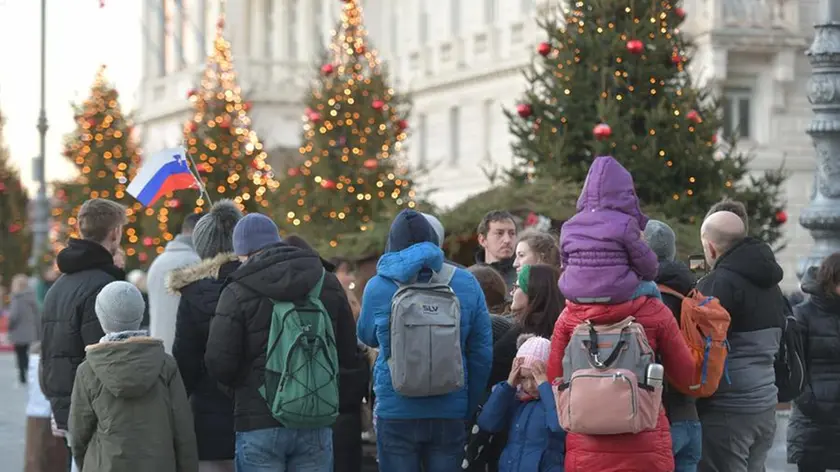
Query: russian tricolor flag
[[161, 173]]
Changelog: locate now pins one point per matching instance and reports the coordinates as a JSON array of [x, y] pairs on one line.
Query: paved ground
[[12, 424]]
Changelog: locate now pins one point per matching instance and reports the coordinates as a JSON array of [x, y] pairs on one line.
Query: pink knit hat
[[532, 349]]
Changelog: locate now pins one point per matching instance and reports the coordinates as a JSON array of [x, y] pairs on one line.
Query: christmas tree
[[229, 156], [353, 172], [106, 155], [15, 239], [611, 79]]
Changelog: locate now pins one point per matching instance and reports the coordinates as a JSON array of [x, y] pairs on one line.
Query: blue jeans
[[284, 450], [687, 441], [408, 445]]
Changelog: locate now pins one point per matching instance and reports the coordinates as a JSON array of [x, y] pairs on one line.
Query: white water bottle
[[655, 375]]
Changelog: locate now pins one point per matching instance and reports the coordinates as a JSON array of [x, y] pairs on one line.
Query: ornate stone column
[[822, 215]]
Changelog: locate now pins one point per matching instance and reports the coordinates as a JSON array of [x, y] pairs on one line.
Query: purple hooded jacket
[[604, 256]]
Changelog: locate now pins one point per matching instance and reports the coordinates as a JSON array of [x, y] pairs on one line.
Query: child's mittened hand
[[538, 371], [513, 378]]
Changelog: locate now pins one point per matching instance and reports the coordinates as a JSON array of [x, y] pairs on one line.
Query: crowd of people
[[548, 354]]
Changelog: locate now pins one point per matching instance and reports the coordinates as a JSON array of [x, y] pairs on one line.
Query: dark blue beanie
[[254, 232], [409, 228]]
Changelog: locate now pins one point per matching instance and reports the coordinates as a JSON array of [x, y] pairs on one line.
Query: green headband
[[522, 279]]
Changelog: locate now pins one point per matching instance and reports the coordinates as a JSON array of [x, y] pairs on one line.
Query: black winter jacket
[[69, 322], [746, 281], [677, 277], [239, 332], [814, 430], [200, 286]]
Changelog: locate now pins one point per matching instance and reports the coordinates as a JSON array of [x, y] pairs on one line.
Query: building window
[[454, 134], [487, 135], [423, 33], [489, 11], [737, 113], [422, 146], [268, 18], [318, 19], [164, 36], [455, 17], [291, 30]]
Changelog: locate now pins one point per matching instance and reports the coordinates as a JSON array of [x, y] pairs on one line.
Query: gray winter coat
[[24, 318], [163, 305]]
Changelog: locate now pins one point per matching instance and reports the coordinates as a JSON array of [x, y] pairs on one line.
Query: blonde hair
[[20, 283]]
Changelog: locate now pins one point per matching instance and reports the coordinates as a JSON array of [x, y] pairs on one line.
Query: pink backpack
[[604, 390]]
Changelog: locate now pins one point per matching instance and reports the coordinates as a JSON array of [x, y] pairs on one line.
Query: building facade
[[461, 62]]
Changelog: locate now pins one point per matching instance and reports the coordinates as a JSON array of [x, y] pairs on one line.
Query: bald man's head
[[719, 232]]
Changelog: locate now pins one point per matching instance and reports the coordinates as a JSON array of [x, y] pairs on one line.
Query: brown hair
[[545, 302], [492, 217], [546, 245], [828, 275], [732, 206], [494, 288], [98, 217]]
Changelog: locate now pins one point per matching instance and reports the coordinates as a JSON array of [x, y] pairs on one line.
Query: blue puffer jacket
[[476, 335], [536, 442]]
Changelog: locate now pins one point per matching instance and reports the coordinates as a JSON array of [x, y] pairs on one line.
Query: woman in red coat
[[649, 451]]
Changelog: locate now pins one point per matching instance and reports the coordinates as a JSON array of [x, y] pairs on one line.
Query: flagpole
[[197, 176]]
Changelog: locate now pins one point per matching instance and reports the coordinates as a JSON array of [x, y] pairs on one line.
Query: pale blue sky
[[80, 37]]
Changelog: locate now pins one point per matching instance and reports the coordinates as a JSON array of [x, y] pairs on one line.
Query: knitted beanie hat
[[437, 226], [253, 233], [213, 234], [119, 307], [661, 240], [522, 278], [532, 349]]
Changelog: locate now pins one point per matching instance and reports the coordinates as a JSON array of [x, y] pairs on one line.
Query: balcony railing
[[743, 15]]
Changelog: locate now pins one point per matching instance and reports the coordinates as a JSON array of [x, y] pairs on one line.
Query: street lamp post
[[41, 223]]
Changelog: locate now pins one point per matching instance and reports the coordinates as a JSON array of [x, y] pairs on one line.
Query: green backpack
[[301, 363]]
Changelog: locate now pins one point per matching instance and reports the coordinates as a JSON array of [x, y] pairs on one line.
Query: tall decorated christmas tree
[[229, 156], [611, 79], [353, 173], [15, 238], [106, 156]]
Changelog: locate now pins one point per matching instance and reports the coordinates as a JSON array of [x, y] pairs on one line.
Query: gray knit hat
[[213, 234], [120, 307], [661, 239], [437, 226]]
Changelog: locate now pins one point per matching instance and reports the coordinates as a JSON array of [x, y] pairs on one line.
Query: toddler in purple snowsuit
[[604, 256]]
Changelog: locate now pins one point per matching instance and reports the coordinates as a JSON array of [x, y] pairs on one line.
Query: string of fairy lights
[[349, 148]]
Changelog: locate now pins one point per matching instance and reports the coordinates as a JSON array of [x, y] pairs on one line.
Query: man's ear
[[482, 240]]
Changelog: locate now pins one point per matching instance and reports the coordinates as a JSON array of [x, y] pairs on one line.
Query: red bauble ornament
[[175, 203], [2, 187], [602, 131], [91, 123], [14, 228], [524, 110], [635, 46], [143, 257], [532, 219], [225, 123], [147, 241], [220, 23], [327, 184], [714, 139], [293, 172], [378, 104], [676, 59], [543, 49], [781, 217], [679, 12], [314, 116], [402, 125], [327, 69], [247, 106], [371, 164], [193, 126], [693, 116], [191, 93]]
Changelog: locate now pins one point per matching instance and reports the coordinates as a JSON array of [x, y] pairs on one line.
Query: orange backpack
[[704, 323]]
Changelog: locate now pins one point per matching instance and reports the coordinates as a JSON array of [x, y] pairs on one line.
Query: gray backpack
[[426, 358]]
